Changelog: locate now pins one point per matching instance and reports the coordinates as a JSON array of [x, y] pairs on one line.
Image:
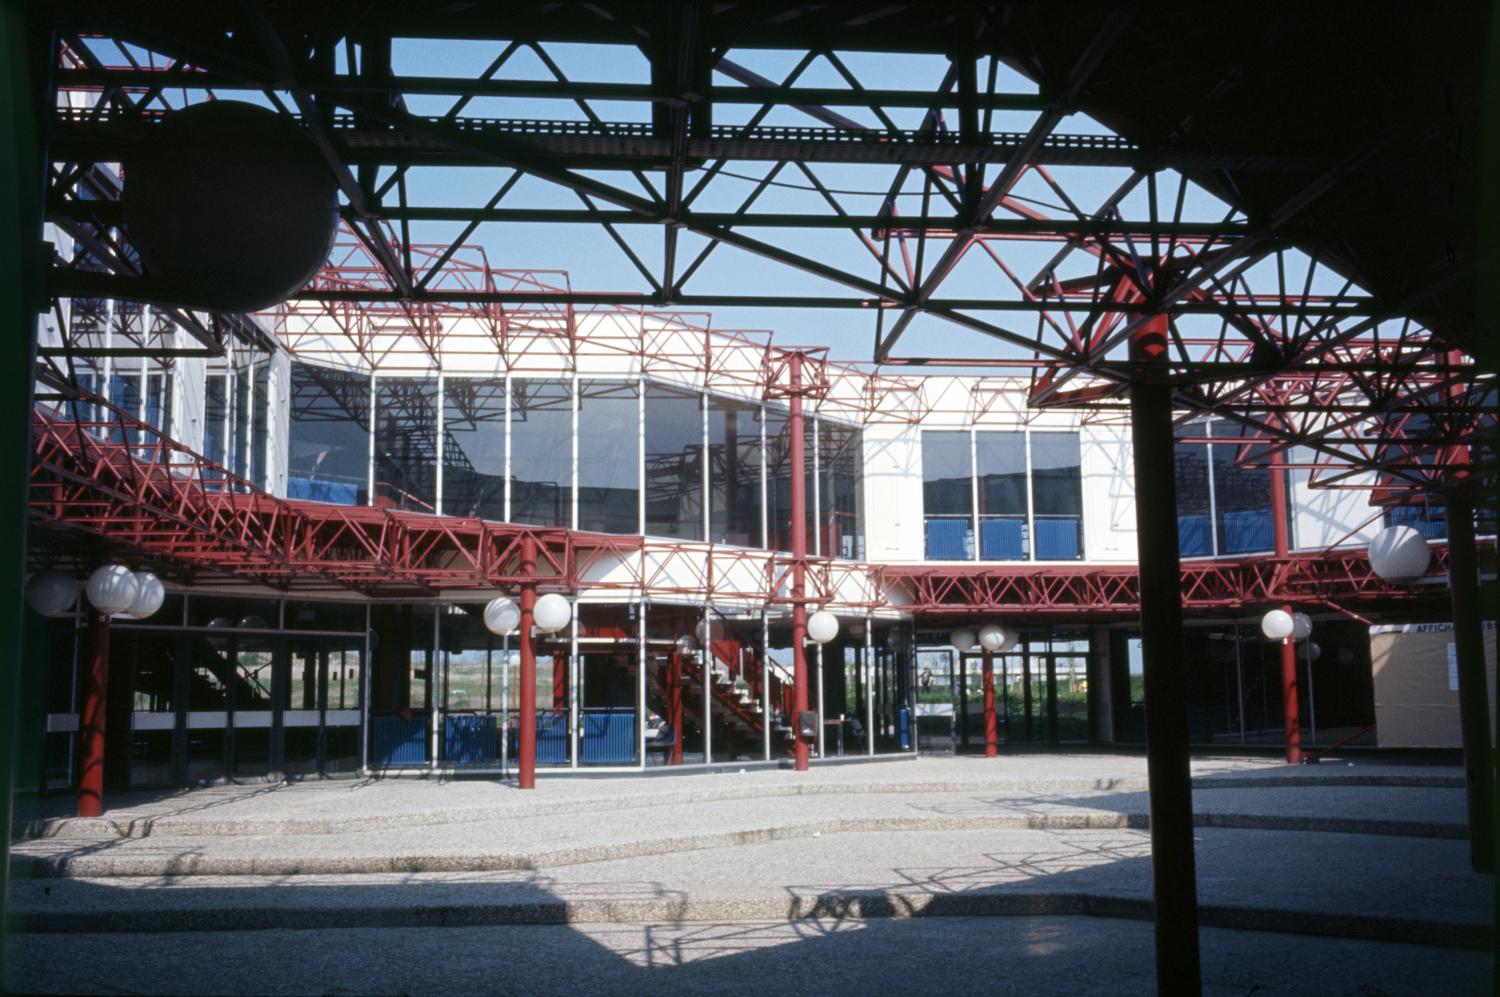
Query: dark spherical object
[[231, 206]]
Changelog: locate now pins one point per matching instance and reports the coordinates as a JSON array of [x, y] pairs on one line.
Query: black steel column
[[1473, 692], [1173, 872]]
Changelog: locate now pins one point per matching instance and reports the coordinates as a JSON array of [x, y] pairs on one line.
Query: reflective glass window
[[1057, 496], [947, 495], [1194, 528], [474, 447], [734, 451], [406, 443], [674, 463], [541, 459], [779, 478], [1003, 530], [609, 485], [328, 450], [841, 465], [1242, 496]]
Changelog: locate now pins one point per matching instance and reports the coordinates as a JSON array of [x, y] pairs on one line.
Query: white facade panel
[[893, 492], [1108, 493]]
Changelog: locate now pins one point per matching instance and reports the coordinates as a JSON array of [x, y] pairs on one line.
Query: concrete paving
[[1377, 853], [1021, 955]]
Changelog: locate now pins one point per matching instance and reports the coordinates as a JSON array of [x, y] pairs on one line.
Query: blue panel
[[1246, 531], [1431, 522], [336, 492], [608, 737], [903, 727], [398, 741], [1057, 539], [1002, 539], [469, 740], [1192, 536], [948, 540], [551, 737]]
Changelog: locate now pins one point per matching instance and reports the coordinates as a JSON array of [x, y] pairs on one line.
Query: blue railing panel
[[552, 737], [319, 490], [949, 540], [1246, 532], [1057, 539], [1002, 539], [395, 740], [469, 739], [608, 737], [1193, 538]]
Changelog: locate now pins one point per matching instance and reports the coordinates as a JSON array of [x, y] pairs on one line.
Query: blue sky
[[595, 263]]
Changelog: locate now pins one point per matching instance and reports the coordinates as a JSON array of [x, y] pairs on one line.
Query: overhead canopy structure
[[1349, 134]]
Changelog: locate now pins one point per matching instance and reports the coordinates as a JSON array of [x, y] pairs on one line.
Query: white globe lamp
[[1277, 624], [822, 627], [113, 589], [992, 637], [1314, 652], [552, 613], [51, 593], [1399, 554], [687, 644], [709, 630], [962, 638], [1301, 626], [501, 616], [152, 595]]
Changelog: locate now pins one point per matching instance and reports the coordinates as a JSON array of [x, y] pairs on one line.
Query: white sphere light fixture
[[962, 638], [552, 613], [687, 644], [1301, 626], [1314, 652], [51, 593], [113, 589], [1277, 624], [822, 627], [1399, 554], [992, 637], [709, 630], [501, 615], [151, 596]]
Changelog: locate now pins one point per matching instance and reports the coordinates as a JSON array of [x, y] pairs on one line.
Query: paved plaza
[[1024, 874]]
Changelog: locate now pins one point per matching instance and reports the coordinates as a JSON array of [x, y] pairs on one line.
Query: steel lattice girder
[[155, 498]]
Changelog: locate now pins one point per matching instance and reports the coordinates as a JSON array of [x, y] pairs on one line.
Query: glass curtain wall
[[1194, 508], [1057, 496], [841, 466], [1242, 497], [948, 495], [674, 463], [406, 428], [1223, 507], [778, 480], [474, 447], [1003, 527], [328, 451], [541, 458], [734, 449], [609, 485]]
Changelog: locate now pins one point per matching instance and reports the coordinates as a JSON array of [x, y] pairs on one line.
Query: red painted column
[[559, 680], [1290, 716], [674, 707], [992, 729], [991, 725], [799, 560], [526, 748], [91, 712]]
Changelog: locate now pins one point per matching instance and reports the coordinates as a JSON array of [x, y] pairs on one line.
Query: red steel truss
[[112, 478]]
